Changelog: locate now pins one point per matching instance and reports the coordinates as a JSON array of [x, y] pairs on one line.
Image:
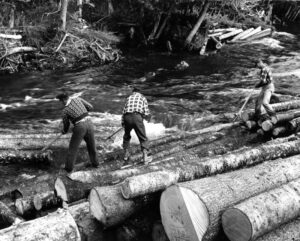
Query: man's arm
[[66, 124], [87, 105], [147, 115]]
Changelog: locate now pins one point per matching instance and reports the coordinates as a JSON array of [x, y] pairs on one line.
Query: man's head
[[63, 97]]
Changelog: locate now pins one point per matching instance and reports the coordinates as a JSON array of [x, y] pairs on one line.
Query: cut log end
[[96, 207], [236, 225], [125, 190], [267, 125], [60, 189], [184, 215], [19, 207]]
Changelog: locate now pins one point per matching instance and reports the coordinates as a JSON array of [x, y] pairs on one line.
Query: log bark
[[283, 106], [286, 232], [90, 229], [186, 204], [53, 227], [109, 207], [260, 214], [239, 36], [151, 182], [283, 117], [8, 217], [197, 25]]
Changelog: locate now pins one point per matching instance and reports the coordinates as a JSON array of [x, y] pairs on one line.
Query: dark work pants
[[262, 105], [82, 130], [134, 121]]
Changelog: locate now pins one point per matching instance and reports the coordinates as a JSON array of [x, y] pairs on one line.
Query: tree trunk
[[151, 182], [109, 207], [164, 23], [283, 106], [260, 214], [79, 5], [156, 25], [63, 14], [7, 217], [53, 227], [286, 232], [197, 25], [203, 201], [90, 229]]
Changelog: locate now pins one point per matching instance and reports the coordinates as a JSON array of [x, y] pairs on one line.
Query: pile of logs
[[250, 193], [286, 120], [235, 35]]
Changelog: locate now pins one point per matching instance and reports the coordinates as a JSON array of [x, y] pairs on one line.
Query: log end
[[37, 202], [236, 225], [96, 208], [19, 207], [250, 124], [60, 189], [245, 116], [267, 125], [184, 215], [125, 189]]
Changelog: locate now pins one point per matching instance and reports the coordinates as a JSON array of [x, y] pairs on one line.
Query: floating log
[[283, 106], [109, 207], [151, 182], [261, 34], [191, 207], [230, 34], [286, 232], [260, 214], [8, 217], [59, 225], [242, 34], [90, 229], [255, 31], [279, 131]]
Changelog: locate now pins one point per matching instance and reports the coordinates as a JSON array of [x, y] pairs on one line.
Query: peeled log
[[286, 232], [261, 34], [260, 214], [283, 106], [7, 216], [90, 229], [255, 31], [149, 183], [192, 210], [109, 207], [230, 34], [242, 34], [57, 226]]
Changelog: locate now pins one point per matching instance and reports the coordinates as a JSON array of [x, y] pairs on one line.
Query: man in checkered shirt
[[263, 109], [135, 110], [76, 111]]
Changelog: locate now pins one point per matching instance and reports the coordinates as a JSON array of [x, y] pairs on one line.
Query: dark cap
[[62, 96]]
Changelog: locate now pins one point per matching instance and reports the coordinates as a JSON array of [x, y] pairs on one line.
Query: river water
[[178, 99]]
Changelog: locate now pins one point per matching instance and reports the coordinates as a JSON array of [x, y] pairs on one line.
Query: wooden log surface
[[261, 34], [242, 34], [230, 34], [57, 226], [286, 232], [192, 210], [154, 181], [260, 214], [109, 207], [283, 117], [283, 106], [254, 31], [90, 229]]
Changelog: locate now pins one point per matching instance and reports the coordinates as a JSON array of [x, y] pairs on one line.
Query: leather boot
[[146, 157], [126, 155]]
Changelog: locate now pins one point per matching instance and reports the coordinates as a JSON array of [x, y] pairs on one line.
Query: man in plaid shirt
[[263, 109], [135, 110], [76, 111]]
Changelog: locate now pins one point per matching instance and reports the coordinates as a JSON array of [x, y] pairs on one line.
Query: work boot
[[146, 157], [126, 155]]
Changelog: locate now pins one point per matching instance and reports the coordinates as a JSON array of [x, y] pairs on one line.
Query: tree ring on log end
[[96, 206], [184, 215], [236, 225], [60, 189]]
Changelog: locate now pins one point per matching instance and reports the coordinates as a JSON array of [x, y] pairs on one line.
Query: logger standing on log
[[135, 110], [76, 111], [263, 109]]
